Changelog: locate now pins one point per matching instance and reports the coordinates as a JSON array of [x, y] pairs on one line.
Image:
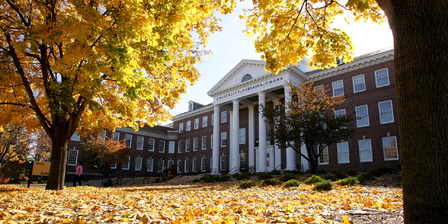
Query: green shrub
[[396, 167], [352, 173], [368, 176], [323, 185], [330, 177], [361, 179], [241, 176], [349, 181], [223, 178], [287, 176], [263, 176], [196, 180], [275, 172], [339, 175], [248, 183], [272, 181], [292, 183], [209, 178], [375, 173], [313, 179]]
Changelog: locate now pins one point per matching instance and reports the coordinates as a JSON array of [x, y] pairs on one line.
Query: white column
[[235, 147], [277, 150], [216, 140], [229, 140], [261, 133], [251, 133], [290, 163]]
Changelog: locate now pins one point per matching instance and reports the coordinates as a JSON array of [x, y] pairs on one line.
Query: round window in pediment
[[246, 77]]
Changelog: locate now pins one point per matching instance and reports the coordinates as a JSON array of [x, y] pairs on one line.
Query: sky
[[231, 46]]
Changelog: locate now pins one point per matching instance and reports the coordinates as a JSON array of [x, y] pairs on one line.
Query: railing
[[234, 170], [252, 169]]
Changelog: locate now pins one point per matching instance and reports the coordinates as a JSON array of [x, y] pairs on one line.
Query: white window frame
[[180, 145], [187, 145], [365, 116], [160, 168], [321, 87], [382, 113], [128, 140], [181, 127], [187, 165], [150, 164], [333, 84], [224, 139], [171, 147], [323, 156], [365, 151], [188, 128], [196, 123], [162, 146], [376, 77], [140, 142], [204, 164], [212, 120], [195, 144], [242, 158], [128, 164], [242, 136], [223, 116], [71, 153], [114, 166], [151, 149], [116, 136], [355, 84], [342, 153], [75, 137], [204, 121], [211, 141], [138, 164], [341, 111], [396, 148], [178, 165], [204, 142], [222, 162], [194, 167]]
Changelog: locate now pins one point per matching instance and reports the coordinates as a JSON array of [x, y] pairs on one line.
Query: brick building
[[225, 136]]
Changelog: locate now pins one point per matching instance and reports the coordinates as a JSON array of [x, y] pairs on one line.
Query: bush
[[196, 180], [339, 175], [223, 178], [292, 183], [375, 173], [352, 173], [209, 178], [248, 183], [275, 172], [396, 167], [349, 181], [361, 179], [241, 176], [272, 181], [263, 176], [313, 179], [287, 176], [368, 176], [330, 177], [323, 185]]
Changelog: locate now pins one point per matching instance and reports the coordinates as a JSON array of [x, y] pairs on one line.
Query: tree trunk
[[58, 161], [420, 30]]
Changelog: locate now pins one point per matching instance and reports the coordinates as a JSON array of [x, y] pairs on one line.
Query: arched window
[[246, 77]]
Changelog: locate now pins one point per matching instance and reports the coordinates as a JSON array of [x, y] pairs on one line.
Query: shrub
[[223, 178], [275, 172], [209, 178], [367, 176], [272, 181], [287, 176], [349, 181], [385, 170], [292, 183], [241, 176], [330, 177], [323, 185], [313, 179], [196, 180], [339, 175], [263, 176], [375, 173], [248, 183], [352, 173], [321, 172], [396, 167], [361, 179]]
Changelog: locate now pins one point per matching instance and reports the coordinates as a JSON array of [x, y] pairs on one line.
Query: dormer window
[[340, 61], [246, 77], [191, 106]]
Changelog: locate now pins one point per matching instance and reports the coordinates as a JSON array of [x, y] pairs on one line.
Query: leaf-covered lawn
[[189, 204]]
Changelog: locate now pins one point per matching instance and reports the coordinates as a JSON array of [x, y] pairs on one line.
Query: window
[[319, 87], [140, 141], [114, 166], [72, 157], [128, 140], [171, 146], [195, 144], [204, 121], [76, 137], [138, 163], [390, 148], [187, 165], [161, 146], [187, 145], [338, 113], [224, 117], [179, 146], [338, 88], [222, 162], [323, 158], [242, 136], [125, 165], [149, 164], [246, 77], [211, 163], [242, 160], [386, 112], [211, 141], [160, 165], [179, 164], [359, 83], [151, 143], [365, 150], [195, 165], [343, 156], [181, 128], [115, 136], [196, 123], [188, 125], [223, 139], [212, 122], [204, 142], [170, 163], [362, 116], [203, 164], [381, 78]]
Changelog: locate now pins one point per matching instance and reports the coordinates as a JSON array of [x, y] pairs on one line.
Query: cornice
[[201, 110]]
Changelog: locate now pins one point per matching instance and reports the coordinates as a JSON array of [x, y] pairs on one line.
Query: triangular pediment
[[244, 71]]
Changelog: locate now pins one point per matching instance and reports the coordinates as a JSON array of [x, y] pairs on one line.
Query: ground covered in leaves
[[219, 203]]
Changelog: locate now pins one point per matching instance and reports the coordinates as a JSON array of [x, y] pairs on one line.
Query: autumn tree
[[82, 66], [14, 145], [308, 120], [42, 146], [105, 153], [291, 29]]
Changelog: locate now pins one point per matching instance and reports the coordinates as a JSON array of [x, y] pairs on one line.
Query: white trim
[[128, 164], [180, 145], [139, 168], [203, 164], [334, 89], [391, 111], [70, 154], [151, 149], [367, 116], [367, 150], [240, 135], [376, 77], [363, 82], [150, 164], [195, 144], [223, 139], [116, 136], [396, 148], [187, 165], [204, 121], [340, 152], [181, 127], [171, 146], [223, 118], [140, 146], [187, 145], [204, 146], [128, 139], [196, 123], [162, 146], [324, 153], [188, 128]]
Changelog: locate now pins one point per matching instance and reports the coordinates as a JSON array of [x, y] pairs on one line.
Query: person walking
[[78, 174]]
